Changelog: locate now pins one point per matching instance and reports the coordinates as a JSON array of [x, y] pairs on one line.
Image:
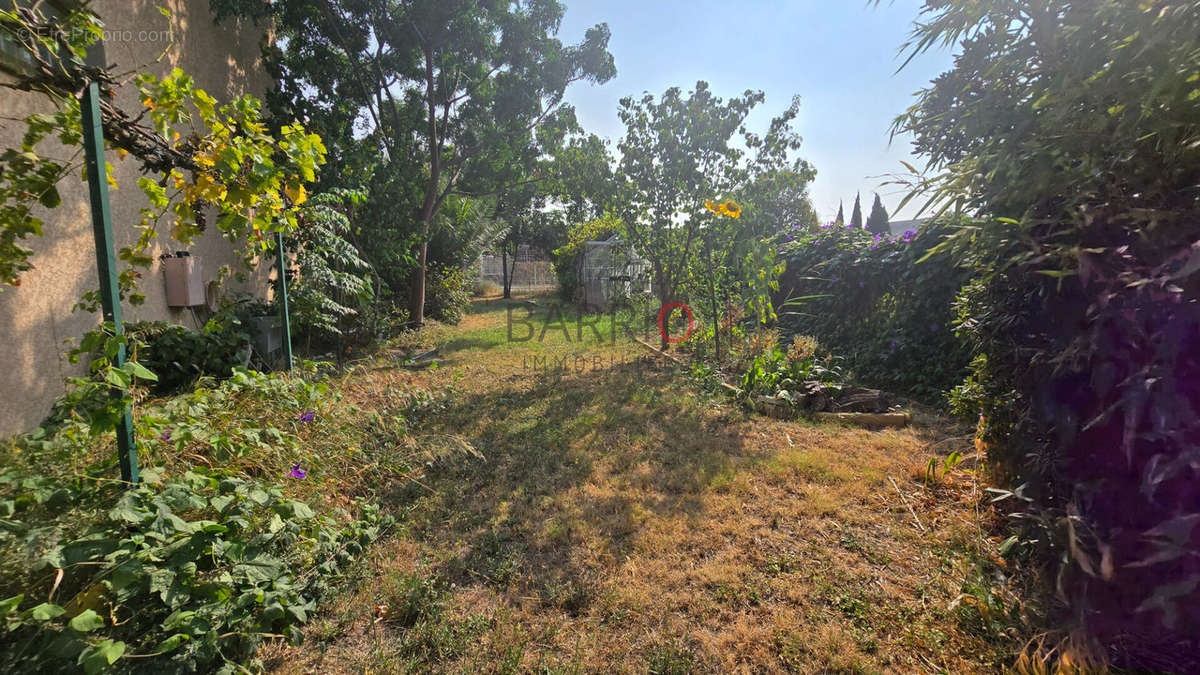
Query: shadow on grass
[[520, 518], [472, 342]]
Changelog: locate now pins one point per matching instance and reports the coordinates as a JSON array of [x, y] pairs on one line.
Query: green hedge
[[871, 300]]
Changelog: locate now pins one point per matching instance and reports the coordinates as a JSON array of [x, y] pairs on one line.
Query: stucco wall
[[36, 317]]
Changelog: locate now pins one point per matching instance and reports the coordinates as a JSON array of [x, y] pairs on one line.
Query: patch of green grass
[[409, 598], [671, 658]]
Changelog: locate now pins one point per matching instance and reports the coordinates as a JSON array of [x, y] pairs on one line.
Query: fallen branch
[[906, 504]]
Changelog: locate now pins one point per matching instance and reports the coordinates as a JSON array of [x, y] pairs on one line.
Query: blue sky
[[840, 56]]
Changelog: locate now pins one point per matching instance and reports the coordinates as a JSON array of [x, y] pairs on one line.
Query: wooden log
[[867, 419], [773, 407]]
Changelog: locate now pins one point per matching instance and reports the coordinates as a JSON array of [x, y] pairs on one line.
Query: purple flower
[[933, 326], [908, 236], [893, 344], [297, 472], [165, 436], [307, 417]]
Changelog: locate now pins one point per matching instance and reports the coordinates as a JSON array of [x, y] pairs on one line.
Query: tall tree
[[877, 222], [856, 221], [841, 216], [680, 151], [450, 93], [676, 154]]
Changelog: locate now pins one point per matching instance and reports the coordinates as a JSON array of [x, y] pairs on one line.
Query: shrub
[[875, 303], [192, 568], [782, 371], [486, 288], [448, 293], [332, 293], [188, 573], [1070, 127], [179, 355]]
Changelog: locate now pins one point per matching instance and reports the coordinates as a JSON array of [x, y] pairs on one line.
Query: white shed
[[611, 270]]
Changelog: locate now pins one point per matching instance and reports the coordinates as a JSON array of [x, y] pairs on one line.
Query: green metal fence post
[[106, 264], [283, 301]]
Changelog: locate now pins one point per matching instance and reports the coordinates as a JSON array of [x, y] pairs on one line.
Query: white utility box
[[185, 281], [268, 334]]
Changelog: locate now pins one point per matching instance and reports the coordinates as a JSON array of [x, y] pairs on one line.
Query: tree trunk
[[416, 289], [662, 293], [505, 277]]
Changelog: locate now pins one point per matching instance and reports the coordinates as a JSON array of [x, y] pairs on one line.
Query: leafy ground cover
[[616, 516]]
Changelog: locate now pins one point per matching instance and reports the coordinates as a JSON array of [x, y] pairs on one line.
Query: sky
[[839, 56]]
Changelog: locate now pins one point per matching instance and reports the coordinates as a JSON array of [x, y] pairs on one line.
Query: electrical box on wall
[[184, 280]]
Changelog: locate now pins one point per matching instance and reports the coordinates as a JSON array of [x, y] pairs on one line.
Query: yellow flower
[[725, 208]]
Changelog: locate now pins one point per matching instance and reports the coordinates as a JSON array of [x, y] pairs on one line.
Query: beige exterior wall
[[36, 317]]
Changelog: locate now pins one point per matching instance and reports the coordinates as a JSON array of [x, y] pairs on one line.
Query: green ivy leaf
[[46, 612], [172, 643], [99, 657], [9, 605], [142, 372], [87, 621], [117, 378], [50, 198]]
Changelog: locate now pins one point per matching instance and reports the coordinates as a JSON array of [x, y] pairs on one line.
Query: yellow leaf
[[297, 195], [209, 189]]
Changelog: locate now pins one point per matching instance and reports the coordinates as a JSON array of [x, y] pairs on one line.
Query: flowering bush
[[871, 300], [784, 372]]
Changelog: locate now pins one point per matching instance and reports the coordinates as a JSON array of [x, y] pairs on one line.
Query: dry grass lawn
[[621, 519]]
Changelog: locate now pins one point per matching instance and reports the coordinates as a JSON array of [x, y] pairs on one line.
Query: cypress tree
[[841, 219], [878, 220], [856, 215]]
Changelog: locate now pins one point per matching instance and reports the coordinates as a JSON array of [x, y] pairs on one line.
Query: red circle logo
[[665, 312]]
